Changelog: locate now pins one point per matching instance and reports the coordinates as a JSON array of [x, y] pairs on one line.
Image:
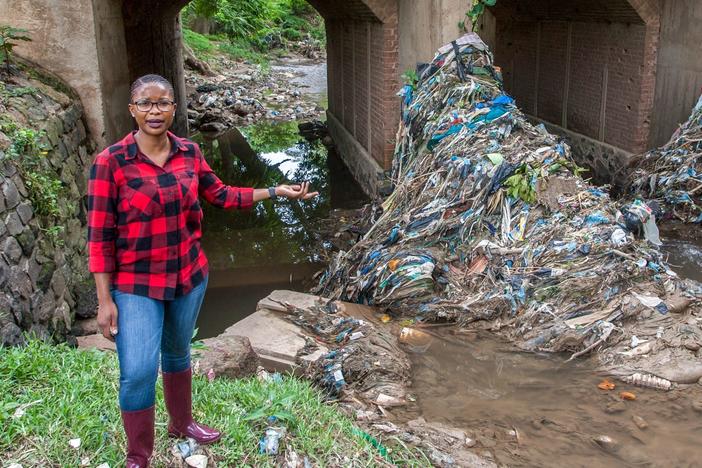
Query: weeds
[[68, 393]]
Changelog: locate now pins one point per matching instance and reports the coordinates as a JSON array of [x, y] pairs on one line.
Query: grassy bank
[[66, 393]]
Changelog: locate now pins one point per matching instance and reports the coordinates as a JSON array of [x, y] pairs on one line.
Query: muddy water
[[684, 249], [532, 410], [275, 245]]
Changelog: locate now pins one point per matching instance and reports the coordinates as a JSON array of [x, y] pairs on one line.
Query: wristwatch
[[271, 193]]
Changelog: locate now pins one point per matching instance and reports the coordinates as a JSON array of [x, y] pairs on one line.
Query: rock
[[20, 283], [26, 240], [25, 212], [11, 335], [4, 272], [85, 327], [640, 422], [213, 127], [86, 300], [607, 443], [96, 341], [697, 406], [207, 88], [61, 320], [228, 355], [12, 196], [40, 332], [58, 282], [615, 407], [46, 308], [14, 223]]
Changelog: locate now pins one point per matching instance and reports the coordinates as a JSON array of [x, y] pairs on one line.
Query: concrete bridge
[[616, 76]]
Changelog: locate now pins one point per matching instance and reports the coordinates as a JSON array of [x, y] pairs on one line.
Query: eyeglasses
[[144, 105]]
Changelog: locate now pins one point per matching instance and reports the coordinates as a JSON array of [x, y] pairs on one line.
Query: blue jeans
[[145, 327]]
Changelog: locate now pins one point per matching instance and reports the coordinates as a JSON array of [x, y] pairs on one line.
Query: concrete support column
[[153, 37]]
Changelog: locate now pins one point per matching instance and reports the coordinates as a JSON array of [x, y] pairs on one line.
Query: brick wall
[[593, 73], [362, 61]]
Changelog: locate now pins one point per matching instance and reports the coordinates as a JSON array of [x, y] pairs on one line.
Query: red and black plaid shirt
[[144, 221]]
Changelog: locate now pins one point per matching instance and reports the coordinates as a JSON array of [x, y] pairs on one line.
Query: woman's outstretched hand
[[107, 320], [296, 192]]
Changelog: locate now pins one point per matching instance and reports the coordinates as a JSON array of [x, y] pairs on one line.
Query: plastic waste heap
[[490, 220], [672, 174]]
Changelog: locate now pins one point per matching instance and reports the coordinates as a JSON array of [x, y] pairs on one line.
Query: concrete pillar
[[154, 40]]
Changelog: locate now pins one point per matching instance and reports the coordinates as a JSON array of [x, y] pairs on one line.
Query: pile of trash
[[672, 174], [490, 221], [242, 94], [364, 362]]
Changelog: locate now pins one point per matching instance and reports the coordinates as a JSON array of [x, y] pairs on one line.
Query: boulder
[[227, 355]]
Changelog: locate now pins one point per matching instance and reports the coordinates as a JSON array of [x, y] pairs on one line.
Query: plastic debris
[[210, 375], [185, 448], [197, 461], [672, 174], [75, 443], [270, 442], [520, 238], [627, 396], [606, 385], [648, 381]]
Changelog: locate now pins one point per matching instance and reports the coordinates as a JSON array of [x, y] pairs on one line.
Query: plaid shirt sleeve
[[102, 213], [217, 192]]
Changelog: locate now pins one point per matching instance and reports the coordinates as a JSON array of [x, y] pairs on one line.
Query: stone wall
[[42, 274]]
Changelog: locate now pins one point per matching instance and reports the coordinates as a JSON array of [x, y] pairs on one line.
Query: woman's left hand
[[295, 192]]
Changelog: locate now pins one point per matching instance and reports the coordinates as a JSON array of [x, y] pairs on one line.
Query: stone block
[[46, 308], [27, 240], [229, 356], [19, 283], [96, 341], [11, 335], [19, 183], [14, 223], [11, 194], [25, 212], [58, 282], [85, 327], [12, 249]]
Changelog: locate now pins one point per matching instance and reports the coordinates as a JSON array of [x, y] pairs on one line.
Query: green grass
[[73, 394], [201, 45]]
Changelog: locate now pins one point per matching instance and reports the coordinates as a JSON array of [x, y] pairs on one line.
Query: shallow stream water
[[536, 410], [275, 245]]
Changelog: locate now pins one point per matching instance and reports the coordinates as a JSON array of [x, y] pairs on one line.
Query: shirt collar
[[177, 144]]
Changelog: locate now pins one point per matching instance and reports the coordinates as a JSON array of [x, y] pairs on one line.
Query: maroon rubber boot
[[177, 392], [139, 427]]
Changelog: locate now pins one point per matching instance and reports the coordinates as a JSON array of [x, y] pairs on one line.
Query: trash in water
[[270, 441], [606, 385], [672, 174], [417, 340], [627, 396], [520, 238]]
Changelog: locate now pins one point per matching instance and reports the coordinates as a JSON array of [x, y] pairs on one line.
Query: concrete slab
[[275, 339], [96, 341]]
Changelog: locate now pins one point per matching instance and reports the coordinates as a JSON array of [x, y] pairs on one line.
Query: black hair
[[151, 78]]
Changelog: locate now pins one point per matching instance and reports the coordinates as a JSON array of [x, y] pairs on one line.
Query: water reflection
[[275, 237]]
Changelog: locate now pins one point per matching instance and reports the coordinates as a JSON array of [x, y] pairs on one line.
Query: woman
[[144, 222]]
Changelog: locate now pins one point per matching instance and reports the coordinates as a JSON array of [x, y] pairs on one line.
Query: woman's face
[[156, 120]]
